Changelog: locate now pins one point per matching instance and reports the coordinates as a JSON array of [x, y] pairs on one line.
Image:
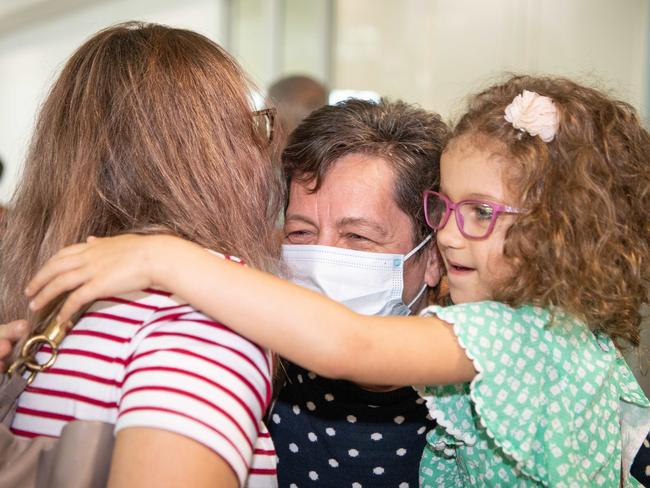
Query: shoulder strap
[[10, 390]]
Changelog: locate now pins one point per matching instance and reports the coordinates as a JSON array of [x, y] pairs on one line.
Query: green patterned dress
[[552, 404]]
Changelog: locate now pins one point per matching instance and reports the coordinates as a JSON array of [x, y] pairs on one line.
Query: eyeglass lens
[[474, 218], [264, 120]]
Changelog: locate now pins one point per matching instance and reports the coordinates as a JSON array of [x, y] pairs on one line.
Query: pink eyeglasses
[[475, 218]]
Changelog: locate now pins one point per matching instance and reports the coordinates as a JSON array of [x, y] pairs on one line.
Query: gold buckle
[[53, 336]]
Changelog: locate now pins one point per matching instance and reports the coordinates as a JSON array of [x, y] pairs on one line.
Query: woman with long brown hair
[[149, 129]]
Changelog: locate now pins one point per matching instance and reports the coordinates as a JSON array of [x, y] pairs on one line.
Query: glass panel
[[306, 41], [435, 52]]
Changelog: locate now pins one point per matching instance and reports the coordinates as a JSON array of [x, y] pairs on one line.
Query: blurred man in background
[[294, 97]]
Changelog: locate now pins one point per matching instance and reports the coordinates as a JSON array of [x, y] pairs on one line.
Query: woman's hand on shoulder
[[10, 333], [98, 268]]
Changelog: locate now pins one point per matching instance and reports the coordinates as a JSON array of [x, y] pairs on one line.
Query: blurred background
[[430, 52]]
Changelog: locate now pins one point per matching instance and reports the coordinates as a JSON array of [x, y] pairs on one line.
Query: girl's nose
[[449, 235]]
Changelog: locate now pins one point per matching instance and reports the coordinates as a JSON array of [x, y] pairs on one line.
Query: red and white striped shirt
[[148, 359]]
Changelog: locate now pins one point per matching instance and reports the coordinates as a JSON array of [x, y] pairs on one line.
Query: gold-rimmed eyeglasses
[[265, 120]]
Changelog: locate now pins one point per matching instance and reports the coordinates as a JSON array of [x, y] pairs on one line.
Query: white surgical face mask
[[369, 283]]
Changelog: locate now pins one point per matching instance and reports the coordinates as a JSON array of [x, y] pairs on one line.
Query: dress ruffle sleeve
[[549, 400]]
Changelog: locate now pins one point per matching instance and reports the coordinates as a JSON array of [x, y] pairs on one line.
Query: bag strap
[[52, 335], [10, 390]]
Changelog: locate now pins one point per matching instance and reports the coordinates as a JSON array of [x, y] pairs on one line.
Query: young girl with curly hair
[[542, 225]]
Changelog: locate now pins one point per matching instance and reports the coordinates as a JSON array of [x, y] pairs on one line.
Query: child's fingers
[[60, 283], [5, 349], [83, 295], [51, 269]]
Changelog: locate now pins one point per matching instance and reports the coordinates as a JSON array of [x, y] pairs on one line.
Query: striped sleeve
[[263, 473], [192, 376]]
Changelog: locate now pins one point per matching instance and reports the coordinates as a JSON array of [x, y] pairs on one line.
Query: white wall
[[434, 52], [30, 58], [273, 38]]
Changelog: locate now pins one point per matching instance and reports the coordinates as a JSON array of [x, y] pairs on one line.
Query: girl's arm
[[301, 325]]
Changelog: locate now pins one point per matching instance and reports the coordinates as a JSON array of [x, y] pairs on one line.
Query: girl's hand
[[95, 269]]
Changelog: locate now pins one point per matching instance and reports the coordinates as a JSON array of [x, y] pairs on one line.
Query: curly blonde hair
[[583, 243]]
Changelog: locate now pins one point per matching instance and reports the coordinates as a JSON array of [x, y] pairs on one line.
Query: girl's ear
[[433, 270]]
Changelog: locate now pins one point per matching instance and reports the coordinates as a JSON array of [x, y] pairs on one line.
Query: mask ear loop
[[424, 242], [418, 247], [417, 297]]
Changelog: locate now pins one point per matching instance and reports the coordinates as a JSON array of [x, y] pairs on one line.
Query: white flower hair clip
[[535, 114]]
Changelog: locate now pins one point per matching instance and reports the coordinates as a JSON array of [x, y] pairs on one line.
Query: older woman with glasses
[[149, 129]]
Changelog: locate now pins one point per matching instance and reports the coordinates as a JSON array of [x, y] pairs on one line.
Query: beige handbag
[[81, 457]]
